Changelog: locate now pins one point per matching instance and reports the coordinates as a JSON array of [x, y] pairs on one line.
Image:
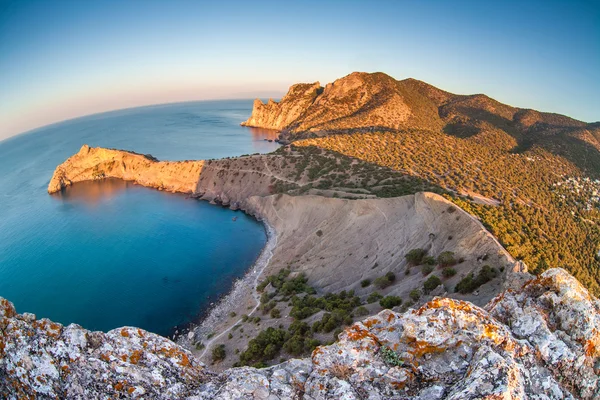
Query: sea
[[106, 254]]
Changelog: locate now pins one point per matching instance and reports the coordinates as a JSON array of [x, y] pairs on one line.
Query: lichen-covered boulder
[[43, 359]]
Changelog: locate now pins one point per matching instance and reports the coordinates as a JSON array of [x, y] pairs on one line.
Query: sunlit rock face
[[541, 342], [92, 163]]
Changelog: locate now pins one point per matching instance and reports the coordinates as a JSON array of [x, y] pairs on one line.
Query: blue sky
[[62, 59]]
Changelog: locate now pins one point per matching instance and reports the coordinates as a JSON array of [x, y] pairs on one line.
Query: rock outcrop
[[92, 163], [541, 342]]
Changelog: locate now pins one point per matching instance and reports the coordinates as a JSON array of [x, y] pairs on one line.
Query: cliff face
[[542, 341], [277, 116], [97, 163], [356, 101]]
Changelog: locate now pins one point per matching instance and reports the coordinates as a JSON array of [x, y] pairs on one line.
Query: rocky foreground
[[539, 342]]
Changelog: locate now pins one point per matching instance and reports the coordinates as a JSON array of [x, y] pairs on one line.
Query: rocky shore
[[230, 302]]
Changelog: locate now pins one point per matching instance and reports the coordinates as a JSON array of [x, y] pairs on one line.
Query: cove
[[106, 254]]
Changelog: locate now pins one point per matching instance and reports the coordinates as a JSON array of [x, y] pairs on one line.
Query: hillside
[[321, 247], [529, 176], [363, 102]]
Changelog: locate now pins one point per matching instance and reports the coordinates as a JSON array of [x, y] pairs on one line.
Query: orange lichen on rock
[[422, 347], [124, 333]]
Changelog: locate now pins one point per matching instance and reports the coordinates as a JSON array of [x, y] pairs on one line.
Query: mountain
[[366, 102], [531, 177]]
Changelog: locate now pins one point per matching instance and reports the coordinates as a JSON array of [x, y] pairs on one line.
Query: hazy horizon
[[67, 59]]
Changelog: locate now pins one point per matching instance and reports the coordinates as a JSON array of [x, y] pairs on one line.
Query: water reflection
[[93, 192], [263, 134]]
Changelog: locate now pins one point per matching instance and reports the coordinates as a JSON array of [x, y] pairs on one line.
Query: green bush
[[390, 301], [331, 321], [415, 294], [218, 353], [384, 281], [446, 259], [365, 282], [374, 297], [429, 260], [431, 283], [275, 313], [361, 311], [426, 269], [415, 256], [448, 272], [470, 282]]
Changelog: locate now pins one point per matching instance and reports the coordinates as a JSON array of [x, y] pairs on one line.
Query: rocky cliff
[[540, 342], [97, 163]]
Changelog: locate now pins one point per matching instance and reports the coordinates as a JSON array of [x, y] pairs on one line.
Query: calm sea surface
[[109, 254]]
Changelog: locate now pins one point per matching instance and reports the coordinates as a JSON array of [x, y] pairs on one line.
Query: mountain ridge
[[364, 101]]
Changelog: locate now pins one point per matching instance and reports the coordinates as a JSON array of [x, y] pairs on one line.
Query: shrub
[[429, 260], [384, 281], [471, 282], [415, 294], [431, 283], [319, 233], [426, 269], [331, 321], [361, 311], [446, 259], [275, 313], [448, 272], [232, 314], [390, 301], [365, 282], [218, 353], [415, 256], [390, 357], [374, 297]]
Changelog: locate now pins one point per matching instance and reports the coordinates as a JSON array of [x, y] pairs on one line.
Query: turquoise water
[[110, 253]]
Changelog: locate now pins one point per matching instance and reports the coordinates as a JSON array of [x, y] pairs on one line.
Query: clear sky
[[66, 58]]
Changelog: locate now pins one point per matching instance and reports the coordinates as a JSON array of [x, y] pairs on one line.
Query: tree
[[446, 259], [390, 301], [415, 256], [218, 353]]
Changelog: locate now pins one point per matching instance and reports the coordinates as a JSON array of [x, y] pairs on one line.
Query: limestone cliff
[[540, 342], [97, 163], [278, 116]]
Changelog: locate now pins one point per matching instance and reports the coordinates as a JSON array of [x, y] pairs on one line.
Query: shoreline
[[222, 307]]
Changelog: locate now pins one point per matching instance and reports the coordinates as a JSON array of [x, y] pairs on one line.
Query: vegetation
[[470, 282], [426, 269], [448, 272], [384, 281], [528, 206], [390, 357], [431, 283], [374, 297], [415, 294], [365, 282], [218, 353], [446, 259], [415, 256], [390, 301]]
